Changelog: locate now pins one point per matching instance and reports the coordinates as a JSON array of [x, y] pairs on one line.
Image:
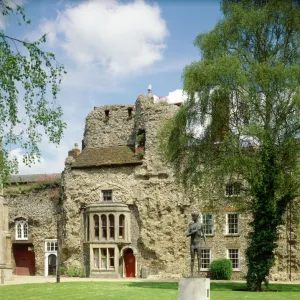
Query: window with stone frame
[[207, 219], [103, 227], [121, 226], [234, 256], [96, 227], [106, 227], [233, 189], [107, 195], [232, 223], [104, 258], [51, 245], [111, 219], [205, 259], [21, 227]]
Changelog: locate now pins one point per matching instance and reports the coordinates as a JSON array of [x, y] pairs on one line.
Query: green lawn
[[138, 291]]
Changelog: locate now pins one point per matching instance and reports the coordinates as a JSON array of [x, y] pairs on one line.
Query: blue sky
[[112, 50]]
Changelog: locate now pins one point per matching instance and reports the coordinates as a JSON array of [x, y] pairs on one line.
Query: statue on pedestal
[[196, 232]]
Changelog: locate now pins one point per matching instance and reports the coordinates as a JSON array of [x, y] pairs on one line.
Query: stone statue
[[196, 232]]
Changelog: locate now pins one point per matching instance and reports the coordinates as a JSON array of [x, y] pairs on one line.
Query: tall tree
[[245, 95], [29, 83]]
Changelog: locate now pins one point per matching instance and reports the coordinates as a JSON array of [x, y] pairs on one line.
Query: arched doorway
[[52, 264], [129, 260]]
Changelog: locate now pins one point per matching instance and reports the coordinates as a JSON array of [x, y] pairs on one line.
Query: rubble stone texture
[[39, 211], [160, 208]]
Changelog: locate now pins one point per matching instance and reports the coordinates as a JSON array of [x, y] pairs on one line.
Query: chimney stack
[[149, 91], [74, 152]]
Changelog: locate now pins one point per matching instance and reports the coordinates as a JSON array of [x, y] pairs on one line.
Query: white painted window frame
[[212, 225], [238, 258], [227, 224], [210, 259], [48, 253], [24, 230]]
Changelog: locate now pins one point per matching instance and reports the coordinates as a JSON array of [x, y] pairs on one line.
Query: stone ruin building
[[121, 213]]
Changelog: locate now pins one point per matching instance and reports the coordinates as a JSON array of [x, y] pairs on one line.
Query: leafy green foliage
[[221, 269], [245, 94], [141, 140], [28, 76], [63, 270], [75, 271]]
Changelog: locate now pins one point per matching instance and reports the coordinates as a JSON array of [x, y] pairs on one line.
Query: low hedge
[[221, 269]]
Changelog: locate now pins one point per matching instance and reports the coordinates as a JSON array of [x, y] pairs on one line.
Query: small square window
[[234, 256], [233, 189], [107, 195]]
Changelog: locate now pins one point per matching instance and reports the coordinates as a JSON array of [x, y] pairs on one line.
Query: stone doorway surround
[[50, 254], [122, 255]]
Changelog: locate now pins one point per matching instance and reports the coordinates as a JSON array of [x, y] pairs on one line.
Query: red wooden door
[[25, 262], [129, 265]]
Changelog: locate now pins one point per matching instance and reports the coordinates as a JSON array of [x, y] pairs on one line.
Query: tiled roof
[[109, 156], [33, 177]]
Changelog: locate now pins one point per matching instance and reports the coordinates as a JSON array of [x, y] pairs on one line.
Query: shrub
[[221, 269], [63, 270], [75, 271]]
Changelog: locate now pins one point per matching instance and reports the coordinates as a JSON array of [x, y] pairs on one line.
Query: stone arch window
[[21, 229], [111, 219], [121, 226], [104, 226], [108, 221], [96, 226]]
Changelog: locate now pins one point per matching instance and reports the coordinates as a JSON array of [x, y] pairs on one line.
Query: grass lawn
[[138, 291]]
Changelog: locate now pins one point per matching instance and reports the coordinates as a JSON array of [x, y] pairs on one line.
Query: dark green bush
[[221, 269]]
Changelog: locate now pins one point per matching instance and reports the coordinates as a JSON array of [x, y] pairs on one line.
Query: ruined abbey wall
[[160, 209]]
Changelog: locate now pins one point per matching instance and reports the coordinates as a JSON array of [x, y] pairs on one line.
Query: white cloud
[[120, 37], [177, 96]]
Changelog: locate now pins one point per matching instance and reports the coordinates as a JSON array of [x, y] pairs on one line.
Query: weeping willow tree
[[29, 84], [242, 116]]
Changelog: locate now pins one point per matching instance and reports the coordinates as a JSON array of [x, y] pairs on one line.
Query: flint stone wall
[[40, 212], [113, 130]]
